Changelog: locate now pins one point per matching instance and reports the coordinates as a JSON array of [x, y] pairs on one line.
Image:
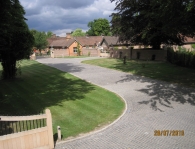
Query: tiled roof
[[61, 42], [84, 41], [89, 41], [69, 42], [189, 40], [111, 40], [50, 40]]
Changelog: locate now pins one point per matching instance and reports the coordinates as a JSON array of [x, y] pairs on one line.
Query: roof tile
[[89, 40]]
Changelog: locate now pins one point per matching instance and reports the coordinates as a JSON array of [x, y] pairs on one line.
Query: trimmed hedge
[[181, 57]]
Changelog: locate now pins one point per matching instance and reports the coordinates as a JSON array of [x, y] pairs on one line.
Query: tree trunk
[[9, 67], [40, 52], [156, 46]]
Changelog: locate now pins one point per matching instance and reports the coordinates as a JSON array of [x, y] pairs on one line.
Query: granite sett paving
[[151, 105]]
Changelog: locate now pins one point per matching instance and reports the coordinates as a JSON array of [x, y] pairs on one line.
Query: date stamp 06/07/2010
[[168, 132]]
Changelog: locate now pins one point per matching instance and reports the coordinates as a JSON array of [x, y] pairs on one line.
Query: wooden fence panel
[[39, 138]]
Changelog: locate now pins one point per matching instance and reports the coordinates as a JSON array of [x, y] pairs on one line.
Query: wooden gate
[[32, 138]]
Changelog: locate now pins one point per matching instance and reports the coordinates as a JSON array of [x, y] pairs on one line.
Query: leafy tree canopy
[[154, 22], [16, 41], [78, 32], [99, 27], [41, 39], [49, 34], [193, 46]]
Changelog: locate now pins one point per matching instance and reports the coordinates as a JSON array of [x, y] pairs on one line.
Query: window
[[75, 49]]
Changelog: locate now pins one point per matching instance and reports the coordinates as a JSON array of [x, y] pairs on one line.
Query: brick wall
[[61, 52], [144, 54], [93, 51]]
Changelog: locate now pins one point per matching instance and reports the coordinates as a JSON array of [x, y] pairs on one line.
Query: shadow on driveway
[[162, 93]]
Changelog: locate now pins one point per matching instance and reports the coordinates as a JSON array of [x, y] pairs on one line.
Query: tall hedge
[[181, 57]]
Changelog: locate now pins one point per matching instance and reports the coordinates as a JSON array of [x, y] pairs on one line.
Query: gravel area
[[151, 105]]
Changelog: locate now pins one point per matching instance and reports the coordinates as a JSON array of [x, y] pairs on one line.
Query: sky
[[64, 16]]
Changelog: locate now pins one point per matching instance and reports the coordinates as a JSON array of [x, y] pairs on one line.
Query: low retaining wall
[[104, 54], [33, 56], [142, 54], [59, 53], [90, 52]]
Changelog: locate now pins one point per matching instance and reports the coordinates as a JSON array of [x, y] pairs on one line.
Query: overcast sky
[[62, 16]]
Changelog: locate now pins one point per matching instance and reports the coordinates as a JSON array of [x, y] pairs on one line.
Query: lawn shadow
[[138, 65], [55, 136], [67, 67], [61, 64], [40, 87], [162, 93]]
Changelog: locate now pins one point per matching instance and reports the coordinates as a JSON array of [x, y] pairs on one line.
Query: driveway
[[151, 105]]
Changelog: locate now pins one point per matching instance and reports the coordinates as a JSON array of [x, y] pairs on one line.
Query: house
[[68, 46], [112, 42], [188, 43], [90, 45], [61, 47], [108, 42], [117, 49]]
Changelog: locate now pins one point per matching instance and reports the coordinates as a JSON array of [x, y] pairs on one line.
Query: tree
[[78, 33], [16, 41], [78, 49], [99, 27], [154, 22], [40, 39], [49, 34], [193, 46]]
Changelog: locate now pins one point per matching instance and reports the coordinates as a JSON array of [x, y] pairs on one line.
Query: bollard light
[[59, 132]]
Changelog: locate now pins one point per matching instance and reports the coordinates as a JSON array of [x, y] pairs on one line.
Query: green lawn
[[155, 70], [76, 105]]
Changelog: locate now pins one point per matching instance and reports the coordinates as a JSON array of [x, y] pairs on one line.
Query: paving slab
[[151, 106]]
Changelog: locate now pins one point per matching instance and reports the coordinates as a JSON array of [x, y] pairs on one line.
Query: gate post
[[50, 129]]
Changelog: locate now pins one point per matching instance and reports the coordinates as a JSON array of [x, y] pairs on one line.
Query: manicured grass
[[155, 70], [76, 105]]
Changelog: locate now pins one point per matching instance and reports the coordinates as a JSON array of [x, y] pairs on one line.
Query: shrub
[[48, 52], [115, 48], [89, 53], [181, 57]]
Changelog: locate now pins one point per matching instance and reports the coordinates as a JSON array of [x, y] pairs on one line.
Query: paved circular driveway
[[151, 105]]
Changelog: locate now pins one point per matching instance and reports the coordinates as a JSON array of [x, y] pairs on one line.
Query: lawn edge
[[159, 80], [100, 129]]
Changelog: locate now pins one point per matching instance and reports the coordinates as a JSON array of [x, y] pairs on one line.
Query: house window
[[75, 49], [87, 47]]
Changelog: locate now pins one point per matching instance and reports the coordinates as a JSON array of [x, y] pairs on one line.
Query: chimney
[[53, 36], [68, 36]]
